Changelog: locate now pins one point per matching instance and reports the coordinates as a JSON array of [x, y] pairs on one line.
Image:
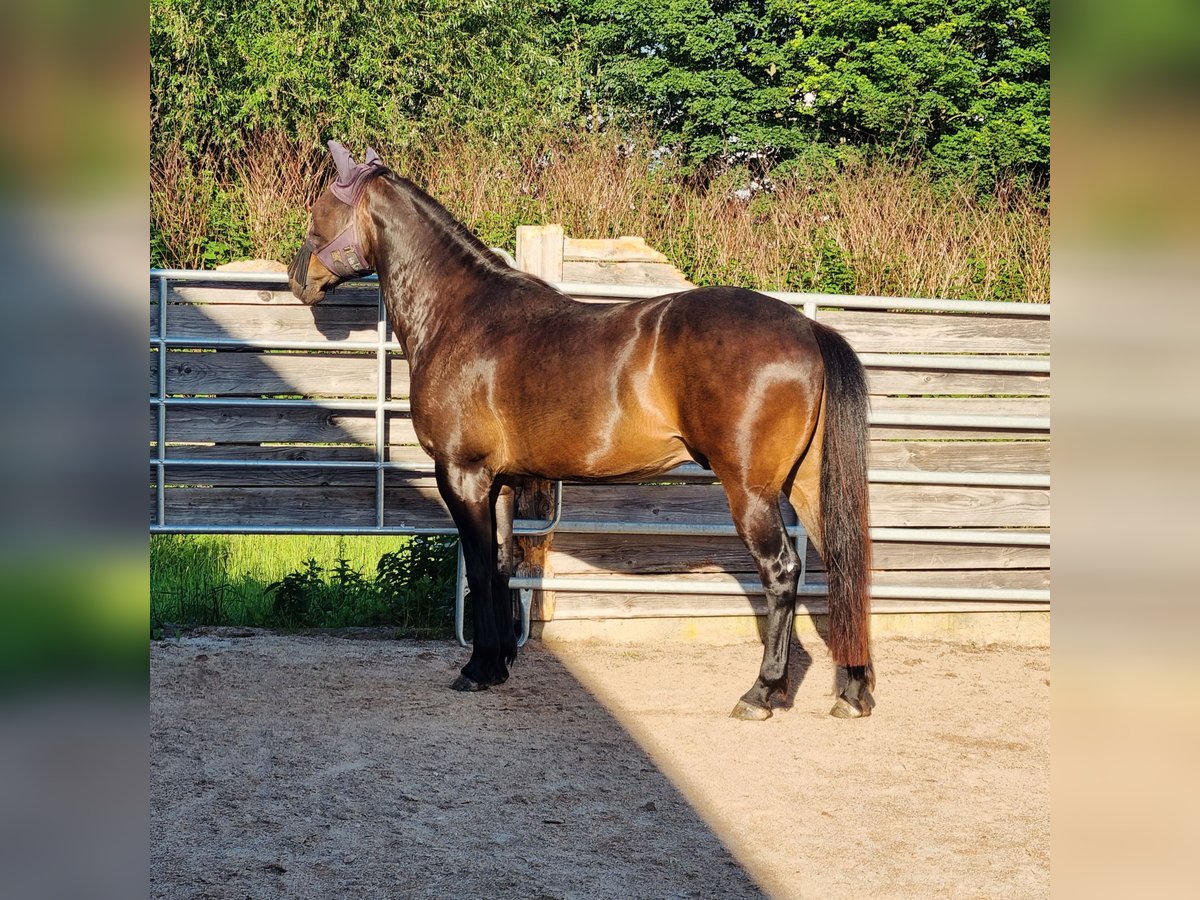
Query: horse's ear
[[342, 159], [372, 157]]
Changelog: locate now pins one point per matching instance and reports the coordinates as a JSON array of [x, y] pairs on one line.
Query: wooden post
[[540, 253], [540, 250]]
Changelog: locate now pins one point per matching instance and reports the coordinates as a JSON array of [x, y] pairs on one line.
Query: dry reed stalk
[[178, 209], [277, 181], [882, 228]]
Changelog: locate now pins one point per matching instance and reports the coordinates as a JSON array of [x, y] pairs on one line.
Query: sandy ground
[[327, 767]]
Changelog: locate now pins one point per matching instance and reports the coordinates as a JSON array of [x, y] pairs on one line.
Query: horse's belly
[[597, 454]]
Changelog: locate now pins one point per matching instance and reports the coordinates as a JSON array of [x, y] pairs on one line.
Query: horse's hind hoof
[[848, 709], [749, 712], [465, 684]]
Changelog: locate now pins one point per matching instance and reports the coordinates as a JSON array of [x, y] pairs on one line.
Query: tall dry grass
[[881, 228]]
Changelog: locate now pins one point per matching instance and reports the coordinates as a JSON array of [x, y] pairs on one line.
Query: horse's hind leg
[[761, 527]]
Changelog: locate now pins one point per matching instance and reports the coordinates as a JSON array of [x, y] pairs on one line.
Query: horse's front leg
[[468, 494]]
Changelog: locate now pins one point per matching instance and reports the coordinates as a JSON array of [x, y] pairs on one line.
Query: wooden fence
[[267, 415]]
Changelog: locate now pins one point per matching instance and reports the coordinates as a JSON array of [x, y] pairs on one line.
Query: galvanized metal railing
[[382, 346]]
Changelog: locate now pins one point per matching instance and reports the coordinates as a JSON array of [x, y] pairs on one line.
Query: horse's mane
[[466, 242]]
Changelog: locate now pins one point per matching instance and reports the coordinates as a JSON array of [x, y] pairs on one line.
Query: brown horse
[[734, 380]]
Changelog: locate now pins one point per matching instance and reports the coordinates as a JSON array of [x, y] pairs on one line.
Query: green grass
[[297, 581]]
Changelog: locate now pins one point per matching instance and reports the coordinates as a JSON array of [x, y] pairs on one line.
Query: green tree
[[965, 82], [710, 75], [374, 71]]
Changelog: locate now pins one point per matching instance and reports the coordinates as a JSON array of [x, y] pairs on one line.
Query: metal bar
[[961, 536], [959, 420], [876, 476], [381, 405], [526, 599], [843, 301], [414, 467], [944, 420], [355, 405], [897, 535], [216, 343], [639, 584], [247, 277], [160, 492], [657, 528], [210, 528], [1038, 364], [971, 479], [639, 292], [909, 535], [460, 597], [1032, 364]]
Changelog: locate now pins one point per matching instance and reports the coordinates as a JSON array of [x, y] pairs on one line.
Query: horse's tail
[[845, 538]]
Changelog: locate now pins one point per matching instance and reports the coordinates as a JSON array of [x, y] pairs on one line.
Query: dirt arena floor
[[288, 766]]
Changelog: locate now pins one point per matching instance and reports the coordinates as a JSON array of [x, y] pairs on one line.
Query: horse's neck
[[429, 275]]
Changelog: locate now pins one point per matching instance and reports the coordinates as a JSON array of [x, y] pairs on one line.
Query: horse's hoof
[[847, 709], [465, 684], [749, 712]]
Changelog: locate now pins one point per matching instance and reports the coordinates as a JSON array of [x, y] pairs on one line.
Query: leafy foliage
[[966, 81], [415, 581], [710, 74], [223, 580], [379, 71], [410, 590]]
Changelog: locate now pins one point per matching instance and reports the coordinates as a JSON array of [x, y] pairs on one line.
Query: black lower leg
[[855, 700], [507, 624], [779, 574], [468, 495]]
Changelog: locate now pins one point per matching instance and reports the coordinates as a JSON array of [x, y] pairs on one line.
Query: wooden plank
[[962, 456], [241, 373], [242, 425], [670, 504], [661, 275], [963, 406], [252, 476], [943, 382], [1023, 579], [871, 331], [627, 248], [594, 554], [936, 506], [892, 505], [414, 506], [273, 323]]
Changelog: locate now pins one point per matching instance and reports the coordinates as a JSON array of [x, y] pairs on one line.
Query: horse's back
[[736, 337]]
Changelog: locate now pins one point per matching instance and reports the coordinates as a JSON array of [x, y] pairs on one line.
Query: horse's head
[[334, 249]]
